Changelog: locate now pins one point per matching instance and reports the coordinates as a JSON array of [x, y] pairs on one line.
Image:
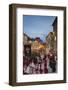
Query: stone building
[[26, 45], [55, 34], [51, 39], [26, 39], [38, 46], [49, 42]]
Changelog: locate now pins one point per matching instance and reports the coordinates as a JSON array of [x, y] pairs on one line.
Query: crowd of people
[[40, 64]]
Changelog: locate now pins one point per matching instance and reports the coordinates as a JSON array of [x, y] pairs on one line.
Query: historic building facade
[[38, 46], [51, 39], [55, 34]]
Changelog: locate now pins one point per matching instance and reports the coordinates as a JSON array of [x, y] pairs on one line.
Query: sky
[[38, 26]]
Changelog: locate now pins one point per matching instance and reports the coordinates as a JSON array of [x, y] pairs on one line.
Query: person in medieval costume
[[45, 65], [32, 67], [48, 66], [52, 62]]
